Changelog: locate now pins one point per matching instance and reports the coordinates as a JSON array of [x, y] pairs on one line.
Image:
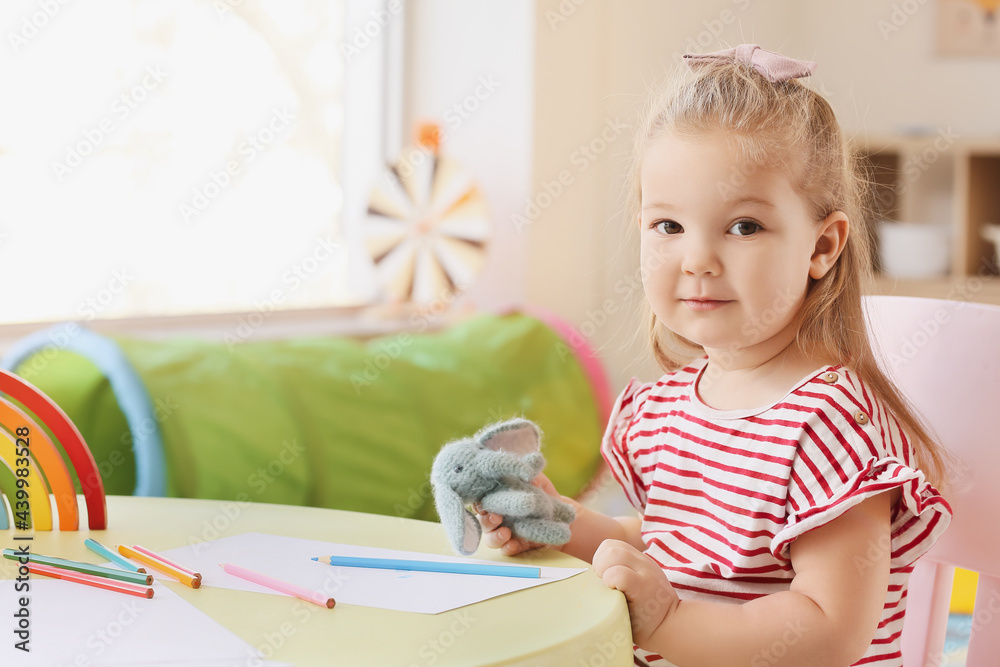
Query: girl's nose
[[700, 258]]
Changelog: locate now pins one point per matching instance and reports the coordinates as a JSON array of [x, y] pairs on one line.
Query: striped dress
[[724, 493]]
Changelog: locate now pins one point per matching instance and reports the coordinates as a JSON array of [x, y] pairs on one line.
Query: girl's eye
[[748, 226], [667, 226]]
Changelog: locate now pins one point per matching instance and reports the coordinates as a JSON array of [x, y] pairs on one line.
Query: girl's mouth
[[704, 304]]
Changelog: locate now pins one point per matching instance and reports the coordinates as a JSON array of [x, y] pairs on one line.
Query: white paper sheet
[[73, 624], [288, 559]]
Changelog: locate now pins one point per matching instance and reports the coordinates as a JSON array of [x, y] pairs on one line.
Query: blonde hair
[[790, 127]]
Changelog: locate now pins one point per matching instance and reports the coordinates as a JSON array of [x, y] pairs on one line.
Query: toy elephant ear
[[517, 436], [459, 523]]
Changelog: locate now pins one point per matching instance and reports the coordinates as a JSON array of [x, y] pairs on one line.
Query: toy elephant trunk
[[495, 468]]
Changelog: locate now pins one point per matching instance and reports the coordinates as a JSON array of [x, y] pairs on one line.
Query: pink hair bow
[[773, 66]]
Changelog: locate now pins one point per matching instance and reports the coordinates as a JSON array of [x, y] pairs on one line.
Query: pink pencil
[[278, 585]]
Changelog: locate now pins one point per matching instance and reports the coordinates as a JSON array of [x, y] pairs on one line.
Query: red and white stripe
[[724, 493]]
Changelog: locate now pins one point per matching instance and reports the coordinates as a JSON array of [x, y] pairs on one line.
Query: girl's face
[[713, 229]]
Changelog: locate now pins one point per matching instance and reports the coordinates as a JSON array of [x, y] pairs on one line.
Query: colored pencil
[[279, 585], [88, 580], [433, 566], [160, 566], [85, 568], [105, 552], [153, 554]]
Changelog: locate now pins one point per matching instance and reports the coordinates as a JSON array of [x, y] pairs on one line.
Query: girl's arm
[[828, 617], [591, 528], [588, 529]]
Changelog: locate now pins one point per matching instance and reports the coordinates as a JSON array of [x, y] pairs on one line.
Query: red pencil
[[89, 580]]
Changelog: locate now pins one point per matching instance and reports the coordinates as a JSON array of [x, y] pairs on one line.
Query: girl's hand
[[647, 590], [500, 537]]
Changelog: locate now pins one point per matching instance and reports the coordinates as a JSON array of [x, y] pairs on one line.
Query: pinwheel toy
[[427, 226]]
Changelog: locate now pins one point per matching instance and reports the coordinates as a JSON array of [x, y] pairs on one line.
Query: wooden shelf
[[940, 178], [978, 289]]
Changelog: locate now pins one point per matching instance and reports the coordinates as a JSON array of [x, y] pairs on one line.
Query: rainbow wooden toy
[[33, 467]]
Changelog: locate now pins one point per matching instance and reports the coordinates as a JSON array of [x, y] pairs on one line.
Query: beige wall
[[469, 66], [593, 60], [880, 76]]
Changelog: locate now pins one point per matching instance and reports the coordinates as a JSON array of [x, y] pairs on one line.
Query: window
[[165, 158]]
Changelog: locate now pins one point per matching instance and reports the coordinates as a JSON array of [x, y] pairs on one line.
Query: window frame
[[376, 138]]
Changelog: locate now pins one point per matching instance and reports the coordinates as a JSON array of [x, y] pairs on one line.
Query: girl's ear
[[833, 232]]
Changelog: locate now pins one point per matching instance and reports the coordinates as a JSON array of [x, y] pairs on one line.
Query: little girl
[[786, 488]]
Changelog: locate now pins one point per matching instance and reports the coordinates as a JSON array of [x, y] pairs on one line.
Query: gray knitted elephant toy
[[494, 468]]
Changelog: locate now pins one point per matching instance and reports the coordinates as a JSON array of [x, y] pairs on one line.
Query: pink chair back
[[945, 356]]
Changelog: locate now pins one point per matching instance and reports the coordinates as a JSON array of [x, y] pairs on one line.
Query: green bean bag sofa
[[321, 421]]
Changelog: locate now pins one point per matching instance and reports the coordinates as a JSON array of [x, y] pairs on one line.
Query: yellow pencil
[[157, 564]]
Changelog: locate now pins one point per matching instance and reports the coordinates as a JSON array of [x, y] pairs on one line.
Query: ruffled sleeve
[[851, 450], [614, 446]]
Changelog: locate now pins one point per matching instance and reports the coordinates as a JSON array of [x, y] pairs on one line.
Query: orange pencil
[[153, 554], [157, 564], [89, 580]]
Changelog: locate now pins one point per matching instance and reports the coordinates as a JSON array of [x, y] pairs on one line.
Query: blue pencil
[[105, 552], [433, 566]]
